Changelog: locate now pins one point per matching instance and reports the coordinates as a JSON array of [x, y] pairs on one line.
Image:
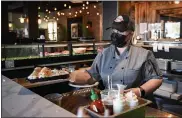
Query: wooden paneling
[[149, 11], [176, 12], [124, 7]]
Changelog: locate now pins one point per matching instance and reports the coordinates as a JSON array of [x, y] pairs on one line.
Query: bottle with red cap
[[96, 104]]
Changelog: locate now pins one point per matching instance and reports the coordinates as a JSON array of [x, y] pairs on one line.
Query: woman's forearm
[[151, 85]]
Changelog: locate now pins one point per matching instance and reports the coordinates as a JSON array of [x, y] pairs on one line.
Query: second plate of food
[[84, 85]]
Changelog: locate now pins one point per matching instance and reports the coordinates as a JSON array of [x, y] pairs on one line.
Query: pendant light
[[10, 24], [22, 19], [39, 20]]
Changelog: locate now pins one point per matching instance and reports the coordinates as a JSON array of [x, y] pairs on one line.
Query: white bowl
[[132, 103]]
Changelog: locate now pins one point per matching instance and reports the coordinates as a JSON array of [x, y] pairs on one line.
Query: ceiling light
[[55, 8], [94, 6], [49, 11], [39, 20], [97, 13], [86, 7], [80, 11], [45, 16], [83, 7], [54, 17], [76, 12], [46, 10], [57, 18], [38, 7], [69, 7], [38, 15], [62, 14], [87, 2], [75, 15], [10, 25], [46, 20], [65, 5], [69, 13], [76, 1], [176, 1], [86, 26], [22, 19], [87, 12]]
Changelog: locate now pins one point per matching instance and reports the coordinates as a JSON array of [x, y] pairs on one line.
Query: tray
[[48, 78], [71, 101], [127, 112]]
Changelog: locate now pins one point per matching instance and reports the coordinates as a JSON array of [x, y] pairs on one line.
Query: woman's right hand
[[79, 77]]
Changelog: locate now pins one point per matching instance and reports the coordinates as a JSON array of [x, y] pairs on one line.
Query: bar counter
[[25, 83], [20, 102]]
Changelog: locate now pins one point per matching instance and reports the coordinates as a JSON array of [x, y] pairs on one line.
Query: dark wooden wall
[[109, 14]]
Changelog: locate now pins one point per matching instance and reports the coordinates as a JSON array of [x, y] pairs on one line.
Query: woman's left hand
[[134, 90]]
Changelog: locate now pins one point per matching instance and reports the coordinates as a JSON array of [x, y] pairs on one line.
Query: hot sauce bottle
[[96, 104]]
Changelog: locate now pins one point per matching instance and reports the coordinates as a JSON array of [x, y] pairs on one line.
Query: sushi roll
[[35, 73], [55, 72], [45, 72], [63, 72]]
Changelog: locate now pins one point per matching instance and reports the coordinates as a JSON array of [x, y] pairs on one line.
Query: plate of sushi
[[45, 74]]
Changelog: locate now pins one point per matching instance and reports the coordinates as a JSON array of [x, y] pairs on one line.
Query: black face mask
[[118, 40]]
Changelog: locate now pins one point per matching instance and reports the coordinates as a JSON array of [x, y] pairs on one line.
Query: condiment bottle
[[96, 104]]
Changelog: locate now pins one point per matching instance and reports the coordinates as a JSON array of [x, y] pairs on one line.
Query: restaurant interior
[[66, 36]]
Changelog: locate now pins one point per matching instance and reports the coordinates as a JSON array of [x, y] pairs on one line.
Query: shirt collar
[[125, 52]]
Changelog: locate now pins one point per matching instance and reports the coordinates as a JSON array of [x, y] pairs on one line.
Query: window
[[172, 29], [52, 30]]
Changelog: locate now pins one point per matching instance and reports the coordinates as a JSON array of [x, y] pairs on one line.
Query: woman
[[125, 64]]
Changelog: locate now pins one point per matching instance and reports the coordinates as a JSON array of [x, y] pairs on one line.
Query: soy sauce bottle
[[96, 104]]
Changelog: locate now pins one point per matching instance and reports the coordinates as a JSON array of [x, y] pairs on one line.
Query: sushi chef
[[124, 63]]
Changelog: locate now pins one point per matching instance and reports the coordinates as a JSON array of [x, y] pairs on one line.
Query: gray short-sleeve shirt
[[133, 67]]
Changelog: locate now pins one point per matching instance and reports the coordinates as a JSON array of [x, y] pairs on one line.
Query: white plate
[[84, 86]]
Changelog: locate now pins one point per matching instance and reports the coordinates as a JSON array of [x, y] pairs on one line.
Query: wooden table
[[156, 113], [27, 84]]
